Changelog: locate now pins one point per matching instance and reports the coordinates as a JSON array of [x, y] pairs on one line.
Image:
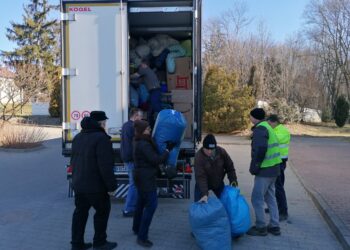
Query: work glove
[[113, 193], [234, 184], [204, 199], [170, 145]]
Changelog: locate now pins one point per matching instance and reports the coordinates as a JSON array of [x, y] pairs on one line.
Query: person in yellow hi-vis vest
[[283, 137], [264, 166]]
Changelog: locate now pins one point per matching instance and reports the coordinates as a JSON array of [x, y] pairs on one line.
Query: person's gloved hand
[[234, 184], [170, 145], [204, 199], [113, 193]]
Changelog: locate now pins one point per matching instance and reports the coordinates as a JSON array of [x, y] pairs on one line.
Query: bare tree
[[29, 82], [291, 70], [213, 43], [328, 26]]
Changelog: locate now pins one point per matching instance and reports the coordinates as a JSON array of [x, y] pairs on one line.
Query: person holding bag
[[211, 164], [146, 160]]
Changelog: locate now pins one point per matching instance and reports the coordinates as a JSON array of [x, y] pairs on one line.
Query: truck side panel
[[95, 60]]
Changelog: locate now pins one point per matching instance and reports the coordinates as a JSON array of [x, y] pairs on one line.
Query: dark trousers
[[280, 193], [198, 195], [83, 202], [146, 205], [155, 105]]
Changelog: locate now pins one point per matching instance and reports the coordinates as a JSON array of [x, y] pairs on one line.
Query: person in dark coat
[[146, 160], [126, 151], [211, 164], [92, 178]]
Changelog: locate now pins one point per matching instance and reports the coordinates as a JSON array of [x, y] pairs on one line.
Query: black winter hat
[[140, 126], [209, 142], [98, 115], [273, 118], [258, 113]]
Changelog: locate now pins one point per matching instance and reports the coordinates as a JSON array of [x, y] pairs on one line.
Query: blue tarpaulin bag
[[237, 210], [210, 225], [169, 126]]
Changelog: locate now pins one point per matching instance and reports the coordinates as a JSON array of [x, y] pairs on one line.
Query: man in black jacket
[[92, 178]]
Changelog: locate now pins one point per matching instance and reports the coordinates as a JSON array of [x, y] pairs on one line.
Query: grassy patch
[[321, 130], [21, 137]]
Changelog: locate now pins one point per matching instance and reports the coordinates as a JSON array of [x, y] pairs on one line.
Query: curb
[[335, 224], [22, 150]]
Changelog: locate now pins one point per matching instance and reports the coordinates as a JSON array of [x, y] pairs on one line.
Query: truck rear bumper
[[177, 188]]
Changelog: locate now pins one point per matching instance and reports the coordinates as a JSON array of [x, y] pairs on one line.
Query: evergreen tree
[[226, 106], [341, 112], [37, 43], [35, 36]]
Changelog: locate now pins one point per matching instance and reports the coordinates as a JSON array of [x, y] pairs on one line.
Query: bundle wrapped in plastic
[[160, 42], [175, 51], [187, 45], [237, 210], [143, 50], [210, 225], [132, 43], [134, 58], [169, 127]]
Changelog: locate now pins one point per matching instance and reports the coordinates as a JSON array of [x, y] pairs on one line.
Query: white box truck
[[95, 70]]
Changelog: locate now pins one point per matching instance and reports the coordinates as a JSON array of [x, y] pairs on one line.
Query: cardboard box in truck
[[181, 96], [182, 77]]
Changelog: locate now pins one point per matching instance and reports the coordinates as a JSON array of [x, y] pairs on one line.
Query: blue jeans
[[280, 193], [147, 203], [264, 191], [155, 95], [131, 198]]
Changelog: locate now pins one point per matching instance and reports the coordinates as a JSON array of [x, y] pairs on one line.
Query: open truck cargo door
[[94, 60]]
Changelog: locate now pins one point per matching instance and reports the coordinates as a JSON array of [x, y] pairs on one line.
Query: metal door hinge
[[68, 16], [69, 72]]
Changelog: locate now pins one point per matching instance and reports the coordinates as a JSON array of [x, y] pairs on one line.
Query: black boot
[[85, 246], [107, 246], [274, 230], [144, 243], [257, 231]]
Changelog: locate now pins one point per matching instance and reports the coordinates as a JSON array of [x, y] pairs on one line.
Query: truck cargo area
[[151, 21]]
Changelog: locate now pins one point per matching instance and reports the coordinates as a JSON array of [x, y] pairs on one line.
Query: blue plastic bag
[[237, 210], [210, 225], [170, 126], [176, 50]]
